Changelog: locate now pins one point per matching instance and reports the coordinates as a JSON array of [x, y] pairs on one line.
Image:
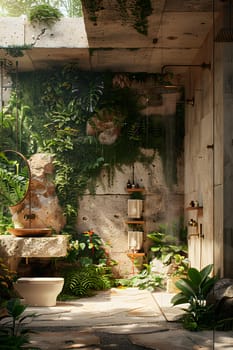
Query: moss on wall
[[59, 106]]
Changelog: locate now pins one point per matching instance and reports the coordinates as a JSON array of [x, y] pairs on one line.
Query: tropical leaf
[[185, 288], [208, 285], [179, 299], [81, 281], [205, 272], [194, 290], [195, 276]]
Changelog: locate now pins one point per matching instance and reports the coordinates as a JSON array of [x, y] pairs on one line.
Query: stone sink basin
[[29, 232]]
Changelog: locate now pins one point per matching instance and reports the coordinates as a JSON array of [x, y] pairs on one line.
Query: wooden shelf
[[139, 189], [198, 209], [134, 255], [135, 222], [194, 208]]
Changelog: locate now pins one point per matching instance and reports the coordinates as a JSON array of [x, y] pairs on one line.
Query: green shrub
[[88, 248], [13, 333], [7, 278], [165, 246], [146, 279], [13, 185], [194, 290], [82, 281], [44, 14]]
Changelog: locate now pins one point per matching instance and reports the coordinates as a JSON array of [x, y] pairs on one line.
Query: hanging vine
[[132, 12], [135, 12], [69, 110]]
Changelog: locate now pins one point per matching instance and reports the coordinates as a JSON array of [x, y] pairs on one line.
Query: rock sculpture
[[41, 201], [222, 297]]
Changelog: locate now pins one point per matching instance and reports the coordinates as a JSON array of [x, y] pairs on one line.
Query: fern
[[82, 281]]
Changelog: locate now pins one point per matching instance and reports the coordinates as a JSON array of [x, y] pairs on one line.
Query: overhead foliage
[[134, 13], [54, 109], [14, 8], [44, 14]]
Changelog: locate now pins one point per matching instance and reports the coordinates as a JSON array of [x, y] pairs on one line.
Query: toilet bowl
[[39, 291]]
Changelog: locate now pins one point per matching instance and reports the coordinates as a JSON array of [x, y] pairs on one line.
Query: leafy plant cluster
[[60, 105], [171, 249], [5, 219], [71, 8], [145, 279], [7, 277], [14, 333], [16, 128], [194, 290], [83, 281], [50, 111], [88, 248], [44, 13], [88, 266], [13, 184]]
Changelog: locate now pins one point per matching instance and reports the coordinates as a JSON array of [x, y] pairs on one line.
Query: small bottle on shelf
[[128, 185], [192, 204]]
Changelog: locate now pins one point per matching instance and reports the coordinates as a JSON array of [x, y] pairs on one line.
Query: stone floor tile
[[64, 340], [120, 319]]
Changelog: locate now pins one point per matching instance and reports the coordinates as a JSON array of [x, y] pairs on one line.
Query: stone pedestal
[[14, 248]]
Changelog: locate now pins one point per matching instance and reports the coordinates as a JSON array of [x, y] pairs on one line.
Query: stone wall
[[106, 212]]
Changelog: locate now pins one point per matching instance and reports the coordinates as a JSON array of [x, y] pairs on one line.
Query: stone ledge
[[33, 247]]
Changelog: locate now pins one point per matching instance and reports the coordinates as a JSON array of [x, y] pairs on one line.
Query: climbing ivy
[[57, 107], [132, 12], [135, 11], [93, 7]]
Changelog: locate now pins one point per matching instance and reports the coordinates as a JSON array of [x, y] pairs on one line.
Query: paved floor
[[120, 319]]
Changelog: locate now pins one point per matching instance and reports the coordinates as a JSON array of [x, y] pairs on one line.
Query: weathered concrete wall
[[209, 158], [106, 212], [21, 32], [199, 158]]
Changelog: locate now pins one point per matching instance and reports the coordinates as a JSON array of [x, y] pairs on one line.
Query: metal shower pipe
[[202, 65]]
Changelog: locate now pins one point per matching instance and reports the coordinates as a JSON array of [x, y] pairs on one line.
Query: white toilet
[[39, 291]]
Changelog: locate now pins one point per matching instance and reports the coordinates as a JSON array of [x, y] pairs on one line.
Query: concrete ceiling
[[176, 31]]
